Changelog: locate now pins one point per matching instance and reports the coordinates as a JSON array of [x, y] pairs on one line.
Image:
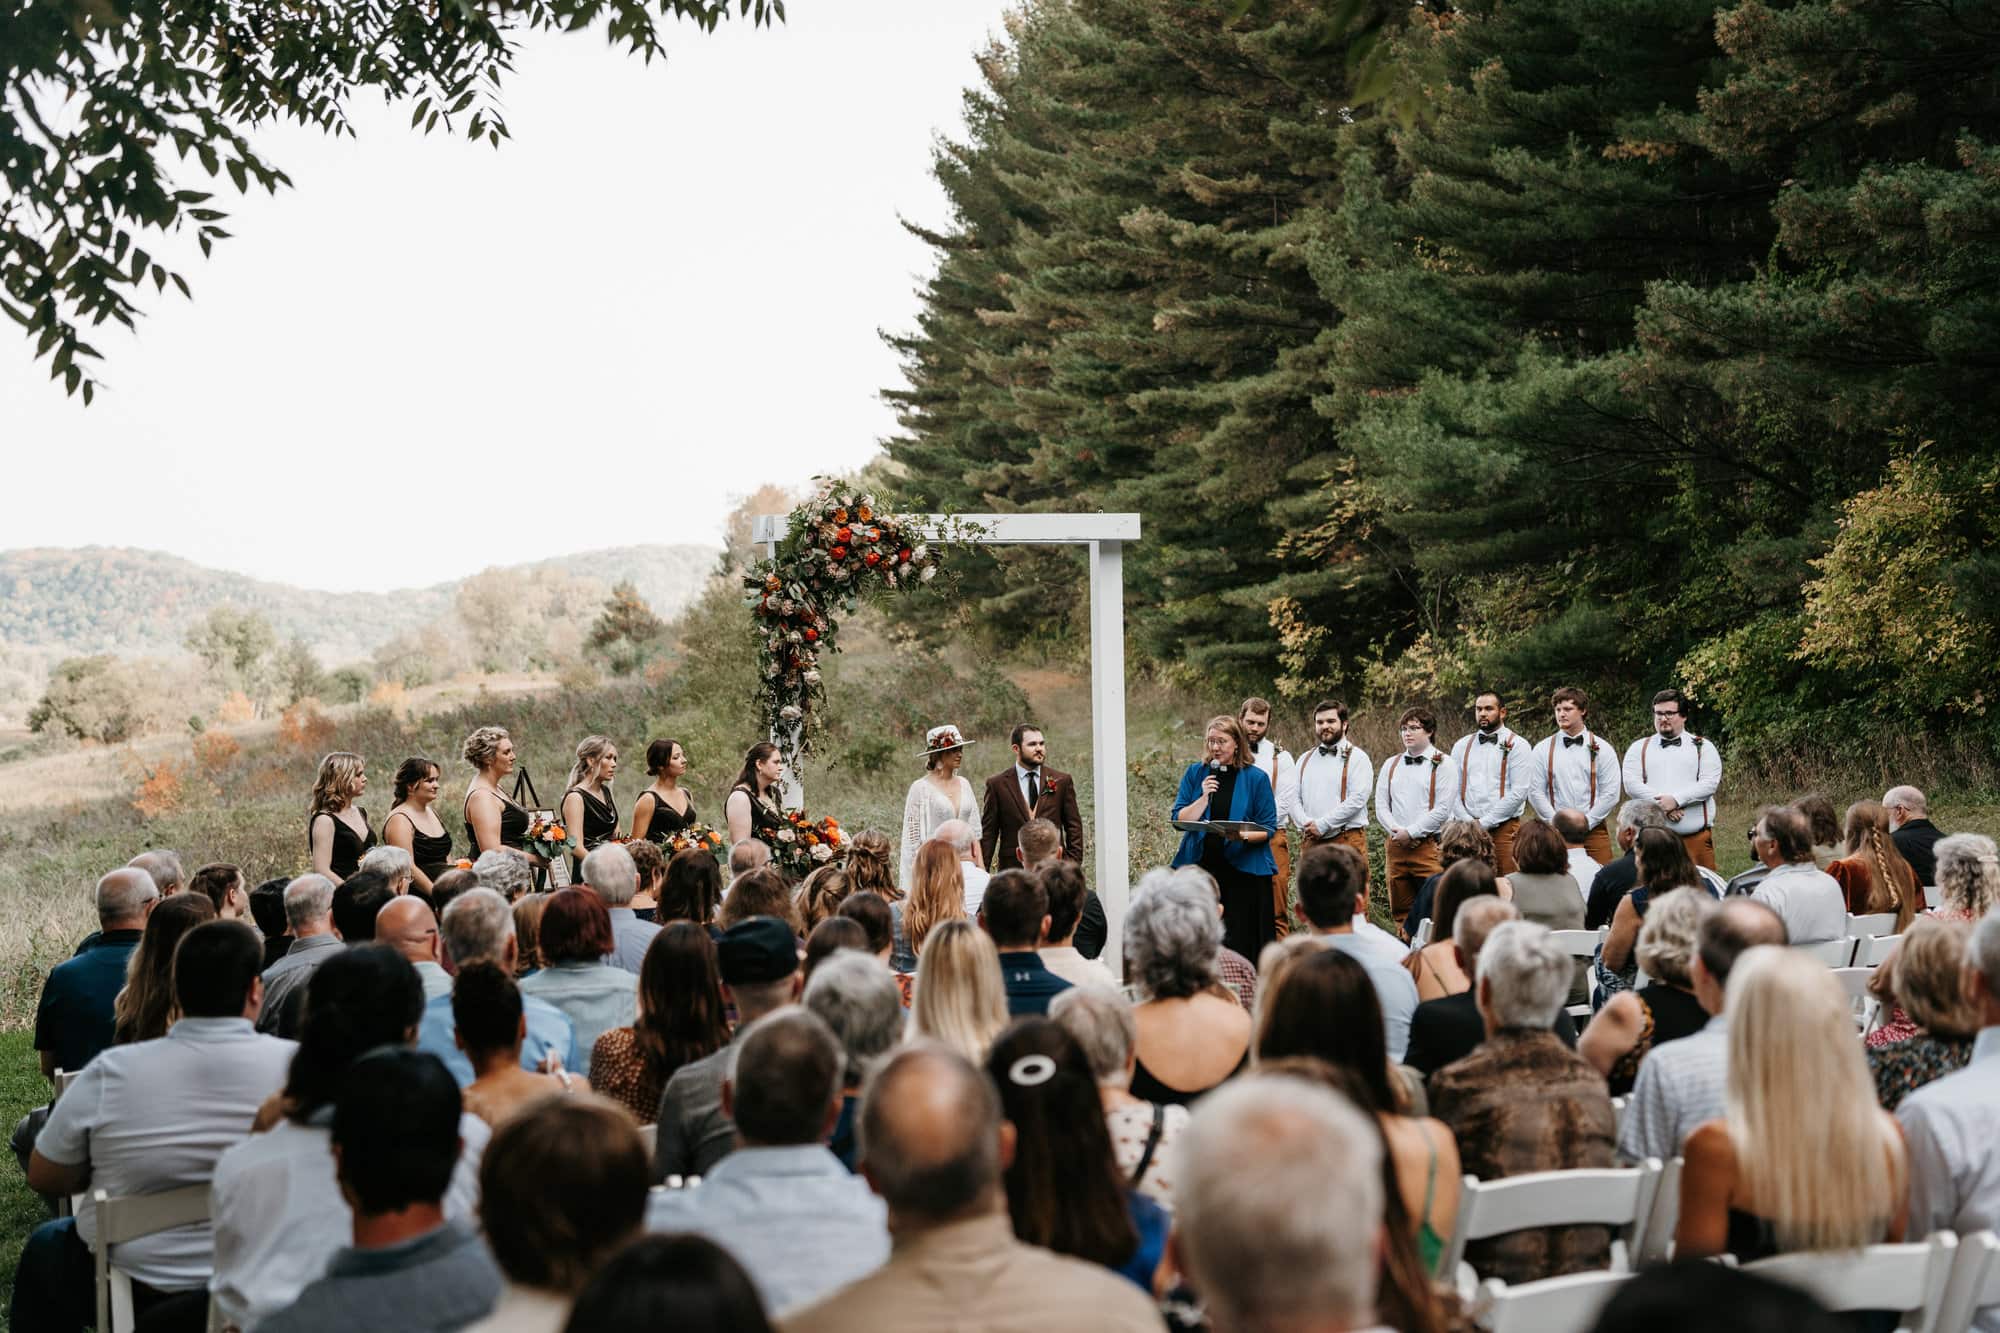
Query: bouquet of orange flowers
[[802, 844], [546, 838], [695, 835]]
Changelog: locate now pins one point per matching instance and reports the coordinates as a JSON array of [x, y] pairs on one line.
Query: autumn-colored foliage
[[304, 727], [163, 791], [214, 751]]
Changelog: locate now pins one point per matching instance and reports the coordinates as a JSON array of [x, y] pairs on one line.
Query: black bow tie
[[1670, 740], [1485, 739], [1572, 740], [1413, 759], [1333, 749]]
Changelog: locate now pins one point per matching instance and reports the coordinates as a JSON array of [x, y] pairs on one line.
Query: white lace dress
[[926, 807]]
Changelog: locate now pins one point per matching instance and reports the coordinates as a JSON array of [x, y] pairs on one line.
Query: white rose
[[787, 606], [923, 550], [812, 677], [791, 713], [787, 835], [930, 572], [822, 852], [773, 670]]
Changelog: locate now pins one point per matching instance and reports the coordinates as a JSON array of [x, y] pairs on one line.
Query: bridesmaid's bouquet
[[802, 844], [546, 837], [695, 835]]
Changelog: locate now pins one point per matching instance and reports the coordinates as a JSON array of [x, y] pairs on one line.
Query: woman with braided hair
[[1872, 873]]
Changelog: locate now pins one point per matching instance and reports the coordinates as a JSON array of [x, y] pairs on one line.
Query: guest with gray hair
[[1143, 1133], [478, 927], [933, 1146], [73, 1021], [800, 1223], [1523, 1102], [309, 914], [858, 999], [165, 868], [1912, 831], [391, 862], [1446, 1030], [610, 870], [505, 870], [1191, 1032], [1607, 887], [1968, 876], [748, 855], [1280, 1218]]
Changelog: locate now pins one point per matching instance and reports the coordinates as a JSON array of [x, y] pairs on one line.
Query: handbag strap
[[1152, 1143]]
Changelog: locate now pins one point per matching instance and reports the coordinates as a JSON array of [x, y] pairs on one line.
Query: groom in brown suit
[[1027, 790]]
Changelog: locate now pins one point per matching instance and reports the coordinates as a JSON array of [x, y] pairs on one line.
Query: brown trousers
[[1701, 848], [1503, 845], [1598, 843], [1281, 883], [1353, 839], [1409, 866]]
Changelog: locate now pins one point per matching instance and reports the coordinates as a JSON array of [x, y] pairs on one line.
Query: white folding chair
[[1876, 950], [1834, 953], [1931, 896], [1621, 1198], [1423, 935], [1873, 923], [1974, 1282], [60, 1081], [126, 1219], [1618, 1105], [1908, 1278], [1553, 1305], [1657, 1245], [1854, 980], [1582, 944]]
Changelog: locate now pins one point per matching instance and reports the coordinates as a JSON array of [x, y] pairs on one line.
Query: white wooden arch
[[1105, 535]]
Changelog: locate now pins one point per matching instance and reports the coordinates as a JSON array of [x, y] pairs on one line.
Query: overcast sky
[[429, 357]]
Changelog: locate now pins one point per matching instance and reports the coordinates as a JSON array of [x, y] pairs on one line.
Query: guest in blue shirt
[[73, 1022], [1226, 786], [478, 927], [1015, 912], [1064, 1189]]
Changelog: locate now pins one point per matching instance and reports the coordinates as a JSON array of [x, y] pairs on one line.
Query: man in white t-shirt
[[1807, 899]]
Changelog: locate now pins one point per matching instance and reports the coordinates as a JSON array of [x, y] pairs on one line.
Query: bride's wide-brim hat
[[939, 739]]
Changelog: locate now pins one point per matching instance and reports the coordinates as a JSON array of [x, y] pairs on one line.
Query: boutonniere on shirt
[[1593, 747], [1436, 759]]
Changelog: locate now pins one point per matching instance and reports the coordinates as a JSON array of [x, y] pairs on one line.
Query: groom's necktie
[[1034, 791]]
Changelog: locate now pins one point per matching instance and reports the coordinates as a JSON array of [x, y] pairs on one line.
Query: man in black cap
[[759, 962]]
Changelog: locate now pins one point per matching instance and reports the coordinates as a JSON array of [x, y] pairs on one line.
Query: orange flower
[[840, 516], [864, 513], [773, 582], [556, 832]]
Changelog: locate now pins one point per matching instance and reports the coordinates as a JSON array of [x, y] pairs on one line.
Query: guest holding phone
[[1225, 787]]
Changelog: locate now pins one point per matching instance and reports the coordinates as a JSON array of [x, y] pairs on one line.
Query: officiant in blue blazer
[[1227, 786]]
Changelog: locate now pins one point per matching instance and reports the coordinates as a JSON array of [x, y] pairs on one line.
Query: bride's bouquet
[[802, 844]]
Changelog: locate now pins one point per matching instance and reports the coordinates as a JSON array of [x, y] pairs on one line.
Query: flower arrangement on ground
[[802, 844]]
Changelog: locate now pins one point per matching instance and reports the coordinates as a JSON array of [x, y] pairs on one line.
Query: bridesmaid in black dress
[[337, 831], [492, 818], [414, 826], [752, 806], [663, 809], [589, 809]]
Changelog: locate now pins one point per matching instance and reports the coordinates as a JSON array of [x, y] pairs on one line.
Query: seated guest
[[831, 936], [1062, 881], [279, 1215], [1633, 1022], [1299, 995], [1191, 1034], [149, 1117], [1236, 974], [1806, 898], [855, 996], [563, 1188], [1545, 891], [1926, 977], [163, 866], [763, 892], [1664, 865], [1524, 1102], [575, 937], [1434, 967], [309, 913], [937, 894], [488, 1026], [1573, 827], [615, 877], [395, 1141], [448, 886], [1143, 1134], [267, 909], [1064, 1190], [1825, 825], [407, 925], [959, 998], [759, 963], [801, 1223], [478, 928], [355, 903], [680, 1020], [1459, 840], [76, 1016], [963, 840], [669, 1282], [223, 886], [145, 1008], [746, 855], [505, 870], [394, 865], [871, 912], [1680, 1083], [1871, 871], [821, 895], [692, 890], [1697, 1293], [1968, 876], [935, 1145], [1333, 890], [1616, 879], [1016, 914], [1040, 842], [528, 909], [652, 867], [1909, 824], [1766, 1179], [1442, 1031], [1281, 1207]]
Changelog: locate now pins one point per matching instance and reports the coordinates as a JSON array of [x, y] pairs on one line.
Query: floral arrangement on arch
[[802, 844], [838, 548]]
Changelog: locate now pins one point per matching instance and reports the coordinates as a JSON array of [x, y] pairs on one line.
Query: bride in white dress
[[939, 795]]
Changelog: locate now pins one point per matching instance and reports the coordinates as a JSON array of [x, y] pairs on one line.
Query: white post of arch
[[1105, 535]]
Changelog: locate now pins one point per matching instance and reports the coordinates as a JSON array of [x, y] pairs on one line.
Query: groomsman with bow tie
[[1496, 768], [1578, 770], [1330, 785], [1414, 795], [1279, 767], [1681, 771]]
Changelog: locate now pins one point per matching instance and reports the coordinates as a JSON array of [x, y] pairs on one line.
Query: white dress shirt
[[1951, 1125], [1808, 900], [154, 1116], [279, 1215], [1283, 771], [1583, 868], [1680, 1086], [1689, 771], [1021, 772], [1494, 778], [976, 878], [1330, 790], [1416, 797], [1566, 773], [1380, 942]]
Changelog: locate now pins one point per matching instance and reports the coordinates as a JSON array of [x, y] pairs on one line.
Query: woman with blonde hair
[[337, 830], [1873, 874], [870, 867], [960, 998], [493, 819], [821, 895], [1804, 1158], [1968, 876], [589, 809], [1924, 976], [937, 894]]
